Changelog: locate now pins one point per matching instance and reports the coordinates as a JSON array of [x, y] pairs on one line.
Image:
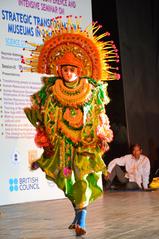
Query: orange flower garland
[[72, 97]]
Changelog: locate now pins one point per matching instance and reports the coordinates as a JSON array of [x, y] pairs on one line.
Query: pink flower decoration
[[67, 172]]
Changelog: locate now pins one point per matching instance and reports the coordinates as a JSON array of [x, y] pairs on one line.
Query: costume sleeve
[[103, 131], [35, 112], [102, 96], [146, 172], [117, 161]]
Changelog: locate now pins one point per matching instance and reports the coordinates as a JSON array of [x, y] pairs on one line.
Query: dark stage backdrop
[[138, 26], [106, 16], [134, 106]]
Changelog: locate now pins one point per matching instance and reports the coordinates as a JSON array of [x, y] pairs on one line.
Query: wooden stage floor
[[115, 215]]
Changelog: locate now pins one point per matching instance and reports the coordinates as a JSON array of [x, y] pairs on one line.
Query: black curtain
[[105, 13], [138, 26]]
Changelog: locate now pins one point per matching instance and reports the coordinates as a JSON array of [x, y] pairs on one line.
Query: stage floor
[[115, 215]]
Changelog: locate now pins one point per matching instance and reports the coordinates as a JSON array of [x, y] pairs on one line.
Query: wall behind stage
[[138, 25], [18, 23]]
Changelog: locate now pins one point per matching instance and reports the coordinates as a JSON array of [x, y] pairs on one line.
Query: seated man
[[137, 167]]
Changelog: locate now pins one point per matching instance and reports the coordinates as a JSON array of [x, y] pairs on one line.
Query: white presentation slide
[[18, 21]]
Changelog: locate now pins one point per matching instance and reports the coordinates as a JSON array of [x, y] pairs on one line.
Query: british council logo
[[13, 184]]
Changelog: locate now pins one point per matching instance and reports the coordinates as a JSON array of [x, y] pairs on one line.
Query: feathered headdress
[[97, 56]]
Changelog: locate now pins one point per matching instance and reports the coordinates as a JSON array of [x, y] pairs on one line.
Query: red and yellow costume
[[72, 126]]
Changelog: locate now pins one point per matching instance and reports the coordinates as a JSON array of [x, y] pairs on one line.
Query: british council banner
[[19, 21]]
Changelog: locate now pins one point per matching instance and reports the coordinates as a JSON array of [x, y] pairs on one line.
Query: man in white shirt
[[137, 167]]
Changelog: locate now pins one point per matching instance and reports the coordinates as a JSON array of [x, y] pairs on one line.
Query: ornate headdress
[[69, 59], [94, 56]]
